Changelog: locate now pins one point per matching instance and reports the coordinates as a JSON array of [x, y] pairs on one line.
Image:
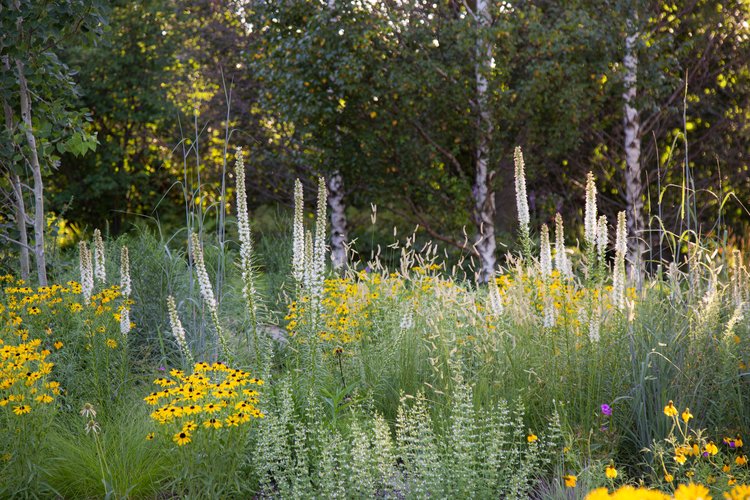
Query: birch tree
[[632, 139], [33, 72], [484, 197]]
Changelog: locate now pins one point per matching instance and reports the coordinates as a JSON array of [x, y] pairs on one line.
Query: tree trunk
[[20, 216], [15, 180], [632, 126], [36, 169], [484, 197], [339, 235]]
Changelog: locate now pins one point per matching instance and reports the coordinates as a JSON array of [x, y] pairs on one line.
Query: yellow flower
[[686, 415], [711, 448], [149, 436], [58, 345], [112, 343], [668, 477], [212, 423], [21, 409], [570, 481], [532, 438], [181, 438], [739, 492], [44, 398], [670, 410], [189, 426], [610, 472], [741, 460], [692, 491], [233, 420], [680, 458]]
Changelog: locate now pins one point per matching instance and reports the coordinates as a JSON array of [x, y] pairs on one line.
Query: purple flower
[[606, 410], [162, 369]]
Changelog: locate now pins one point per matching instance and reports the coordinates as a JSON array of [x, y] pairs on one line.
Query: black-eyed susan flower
[[21, 409], [740, 460], [692, 491], [181, 438], [232, 420], [189, 426], [213, 423], [150, 436], [710, 449], [58, 345], [570, 481], [112, 343], [668, 477], [532, 438]]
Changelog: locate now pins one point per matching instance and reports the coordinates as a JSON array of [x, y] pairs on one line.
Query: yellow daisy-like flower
[[610, 472], [44, 398], [680, 458], [668, 477], [181, 438], [570, 481], [150, 436], [58, 345], [21, 409], [741, 460], [711, 449], [739, 492], [692, 491], [670, 409], [233, 420], [112, 343], [212, 423], [686, 415], [189, 426], [532, 438]]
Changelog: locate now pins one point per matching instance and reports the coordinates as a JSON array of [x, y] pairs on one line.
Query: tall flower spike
[[207, 291], [124, 320], [589, 219], [100, 270], [602, 236], [496, 301], [177, 331], [321, 221], [618, 276], [545, 255], [298, 256], [125, 288], [522, 203], [87, 271], [561, 258], [243, 228]]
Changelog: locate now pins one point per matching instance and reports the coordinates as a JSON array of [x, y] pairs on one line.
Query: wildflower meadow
[[388, 249], [562, 377]]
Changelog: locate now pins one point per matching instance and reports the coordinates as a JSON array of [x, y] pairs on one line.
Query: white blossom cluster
[[589, 219], [298, 228], [177, 330], [87, 270], [100, 271], [618, 274], [562, 263], [522, 203]]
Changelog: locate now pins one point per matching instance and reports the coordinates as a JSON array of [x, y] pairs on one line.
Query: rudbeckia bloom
[[532, 438], [181, 438], [570, 481]]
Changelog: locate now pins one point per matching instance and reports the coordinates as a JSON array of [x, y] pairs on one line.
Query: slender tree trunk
[[15, 180], [484, 197], [20, 216], [339, 235], [633, 184], [36, 169]]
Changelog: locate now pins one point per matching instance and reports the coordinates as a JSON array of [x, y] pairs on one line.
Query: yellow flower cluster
[[213, 397], [23, 377], [690, 491]]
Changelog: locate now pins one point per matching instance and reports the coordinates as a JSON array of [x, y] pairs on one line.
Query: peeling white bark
[[36, 169], [339, 235], [632, 126], [484, 198]]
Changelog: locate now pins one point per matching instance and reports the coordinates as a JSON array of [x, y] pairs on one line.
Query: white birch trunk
[[484, 197], [632, 126], [36, 169], [339, 235]]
